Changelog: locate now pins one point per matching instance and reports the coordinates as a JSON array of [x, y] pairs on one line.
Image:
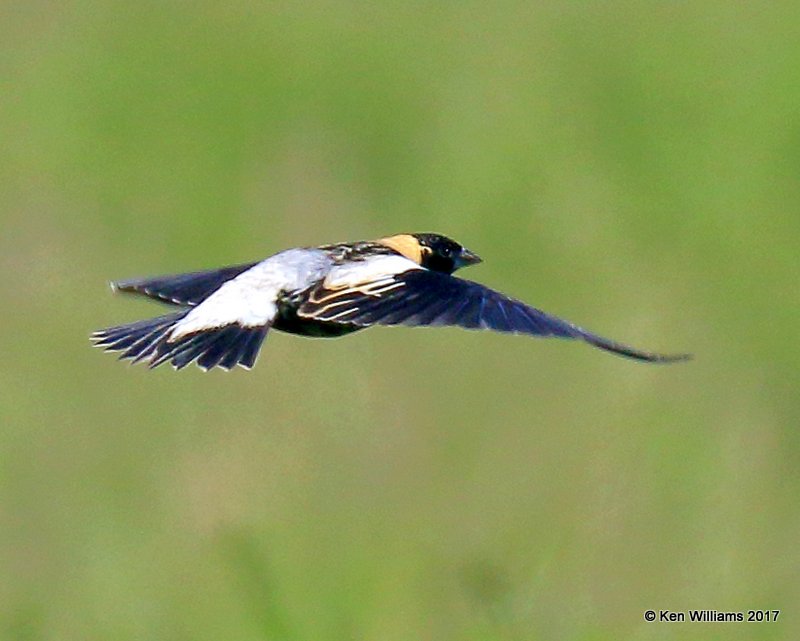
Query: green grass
[[630, 166]]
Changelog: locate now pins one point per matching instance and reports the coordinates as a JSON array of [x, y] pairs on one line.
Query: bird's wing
[[420, 297], [348, 286], [182, 289]]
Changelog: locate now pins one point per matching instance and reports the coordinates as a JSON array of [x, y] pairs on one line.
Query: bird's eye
[[446, 252]]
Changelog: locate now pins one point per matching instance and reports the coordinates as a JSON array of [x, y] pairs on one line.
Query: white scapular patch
[[250, 298], [379, 269]]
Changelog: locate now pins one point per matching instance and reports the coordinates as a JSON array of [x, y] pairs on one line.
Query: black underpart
[[148, 340], [182, 289], [289, 321]]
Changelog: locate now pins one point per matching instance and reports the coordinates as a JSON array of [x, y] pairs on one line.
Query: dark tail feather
[[182, 289], [133, 339], [250, 351], [148, 340], [225, 347], [186, 351]]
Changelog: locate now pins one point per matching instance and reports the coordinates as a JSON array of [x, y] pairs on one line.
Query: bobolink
[[332, 290]]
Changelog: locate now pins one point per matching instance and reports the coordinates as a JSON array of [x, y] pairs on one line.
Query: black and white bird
[[223, 315]]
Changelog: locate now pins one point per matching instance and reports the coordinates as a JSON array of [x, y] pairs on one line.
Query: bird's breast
[[287, 320]]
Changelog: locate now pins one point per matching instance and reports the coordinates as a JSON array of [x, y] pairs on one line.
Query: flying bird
[[223, 315]]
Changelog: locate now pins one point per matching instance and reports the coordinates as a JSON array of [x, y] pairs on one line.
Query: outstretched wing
[[182, 289], [421, 297]]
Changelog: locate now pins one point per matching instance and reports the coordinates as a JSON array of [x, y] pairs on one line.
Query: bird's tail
[[149, 340]]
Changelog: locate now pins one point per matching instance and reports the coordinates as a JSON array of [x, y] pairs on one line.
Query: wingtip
[[622, 349], [654, 357], [673, 358]]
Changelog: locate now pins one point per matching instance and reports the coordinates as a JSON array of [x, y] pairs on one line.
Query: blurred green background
[[631, 166]]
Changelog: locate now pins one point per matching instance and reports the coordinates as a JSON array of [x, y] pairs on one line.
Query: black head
[[440, 254]]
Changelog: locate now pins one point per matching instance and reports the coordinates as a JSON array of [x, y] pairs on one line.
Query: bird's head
[[432, 251]]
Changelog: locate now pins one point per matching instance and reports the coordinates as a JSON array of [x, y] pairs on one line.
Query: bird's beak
[[467, 258]]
